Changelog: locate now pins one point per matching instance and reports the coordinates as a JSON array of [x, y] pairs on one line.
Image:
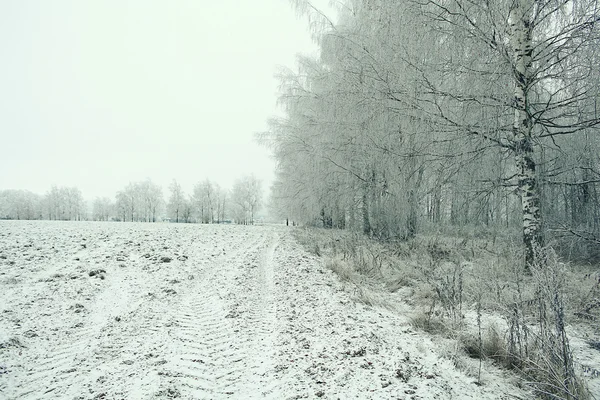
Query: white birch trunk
[[522, 129]]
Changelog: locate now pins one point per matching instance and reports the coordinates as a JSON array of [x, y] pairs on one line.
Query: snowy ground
[[140, 311]]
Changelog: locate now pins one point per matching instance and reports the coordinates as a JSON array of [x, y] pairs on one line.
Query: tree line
[[420, 114], [142, 201]]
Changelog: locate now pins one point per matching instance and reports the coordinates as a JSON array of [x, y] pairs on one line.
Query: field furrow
[[177, 311]]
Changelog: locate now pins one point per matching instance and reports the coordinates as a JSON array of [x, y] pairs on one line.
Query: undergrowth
[[471, 287]]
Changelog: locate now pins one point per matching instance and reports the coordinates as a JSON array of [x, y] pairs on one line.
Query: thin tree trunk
[[522, 131], [365, 214]]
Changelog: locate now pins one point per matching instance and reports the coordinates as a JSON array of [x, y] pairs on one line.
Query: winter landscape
[[368, 199], [140, 311], [96, 310]]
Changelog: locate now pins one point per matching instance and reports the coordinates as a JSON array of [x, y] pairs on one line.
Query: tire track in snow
[[61, 366], [206, 354], [204, 359], [216, 352], [253, 311], [189, 344], [263, 318], [128, 350], [150, 347], [92, 348], [55, 369]]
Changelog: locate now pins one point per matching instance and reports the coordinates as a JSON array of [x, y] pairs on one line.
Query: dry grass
[[449, 276], [427, 322], [491, 346], [344, 270]]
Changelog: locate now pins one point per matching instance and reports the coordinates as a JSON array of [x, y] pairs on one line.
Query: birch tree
[[187, 209], [128, 203], [220, 201], [247, 198], [176, 200], [205, 200], [64, 203], [440, 111], [102, 209], [541, 43], [151, 198], [20, 204]]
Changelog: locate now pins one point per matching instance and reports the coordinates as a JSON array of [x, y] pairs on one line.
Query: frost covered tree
[[75, 205], [129, 203], [210, 202], [152, 199], [123, 206], [205, 200], [20, 204], [247, 199], [543, 51], [220, 203], [6, 204], [140, 201], [64, 203], [347, 156], [424, 111], [102, 209], [187, 209], [54, 203], [176, 201], [59, 203]]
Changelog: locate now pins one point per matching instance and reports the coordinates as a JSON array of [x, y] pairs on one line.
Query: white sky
[[96, 94]]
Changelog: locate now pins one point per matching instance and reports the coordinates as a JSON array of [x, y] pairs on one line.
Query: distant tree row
[[59, 203], [209, 203], [141, 202]]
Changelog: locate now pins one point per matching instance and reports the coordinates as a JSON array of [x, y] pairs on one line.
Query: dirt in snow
[[142, 311]]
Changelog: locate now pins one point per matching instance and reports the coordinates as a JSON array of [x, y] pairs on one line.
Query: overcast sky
[[96, 94]]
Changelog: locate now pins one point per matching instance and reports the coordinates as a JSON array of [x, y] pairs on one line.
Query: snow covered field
[[140, 311]]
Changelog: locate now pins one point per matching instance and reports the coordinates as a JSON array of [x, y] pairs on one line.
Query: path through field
[[143, 311]]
